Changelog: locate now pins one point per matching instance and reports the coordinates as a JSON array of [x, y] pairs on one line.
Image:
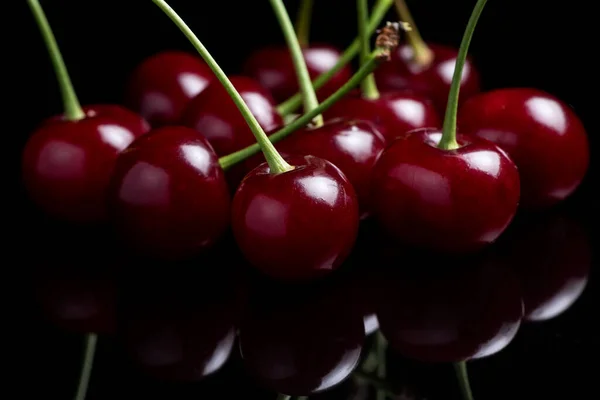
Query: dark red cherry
[[433, 81], [168, 196], [67, 165], [437, 316], [215, 115], [273, 68], [298, 224], [300, 340], [393, 113], [552, 255], [163, 84], [456, 201], [541, 134]]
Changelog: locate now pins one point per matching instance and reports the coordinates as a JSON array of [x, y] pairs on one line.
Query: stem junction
[[422, 54]]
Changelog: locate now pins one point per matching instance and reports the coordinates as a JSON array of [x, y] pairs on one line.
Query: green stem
[[240, 155], [86, 365], [448, 140], [308, 93], [72, 108], [463, 380], [381, 344], [422, 53], [276, 163], [283, 397], [368, 85], [303, 22], [377, 383], [377, 14]]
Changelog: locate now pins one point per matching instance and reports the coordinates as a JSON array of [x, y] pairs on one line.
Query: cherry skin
[[542, 135], [393, 113], [168, 197], [455, 201], [163, 84], [433, 81], [300, 340], [552, 255], [273, 68], [432, 316], [216, 116], [66, 165], [299, 224]]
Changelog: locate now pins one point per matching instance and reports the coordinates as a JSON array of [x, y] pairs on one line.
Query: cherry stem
[[377, 15], [276, 163], [422, 53], [377, 383], [368, 85], [72, 108], [303, 21], [86, 366], [379, 55], [463, 380], [283, 397], [448, 140], [381, 346], [308, 93]]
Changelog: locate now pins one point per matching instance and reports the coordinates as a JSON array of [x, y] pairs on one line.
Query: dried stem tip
[[388, 38]]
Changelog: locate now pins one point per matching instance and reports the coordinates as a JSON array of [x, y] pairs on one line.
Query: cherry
[[304, 342], [442, 191], [168, 196], [162, 85], [552, 256], [215, 115], [542, 135], [68, 160], [273, 68]]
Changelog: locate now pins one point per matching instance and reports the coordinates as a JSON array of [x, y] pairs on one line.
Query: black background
[[537, 43]]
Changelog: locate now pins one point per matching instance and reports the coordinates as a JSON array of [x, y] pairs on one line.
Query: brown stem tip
[[388, 38]]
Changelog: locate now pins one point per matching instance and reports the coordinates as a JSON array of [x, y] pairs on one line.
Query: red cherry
[[437, 317], [433, 80], [168, 195], [393, 113], [67, 165], [273, 68], [542, 135], [449, 200], [215, 115], [297, 224], [163, 84], [302, 343]]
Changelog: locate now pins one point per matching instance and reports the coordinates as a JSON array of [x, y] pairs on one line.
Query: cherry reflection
[[300, 340]]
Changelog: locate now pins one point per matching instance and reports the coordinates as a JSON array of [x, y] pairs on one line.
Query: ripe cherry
[[307, 333], [214, 114], [163, 84], [442, 191], [68, 160], [542, 135], [168, 196], [425, 67]]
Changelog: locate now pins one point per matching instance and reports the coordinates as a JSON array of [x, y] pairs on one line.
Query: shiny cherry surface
[[168, 195], [542, 135], [162, 85], [394, 113], [215, 115], [298, 224], [273, 68], [457, 201], [432, 81], [66, 165]]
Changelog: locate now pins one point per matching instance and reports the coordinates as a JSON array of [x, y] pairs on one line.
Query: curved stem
[[303, 21], [72, 108], [368, 85], [308, 93], [86, 366], [276, 163], [463, 380], [422, 53], [377, 15], [448, 141]]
